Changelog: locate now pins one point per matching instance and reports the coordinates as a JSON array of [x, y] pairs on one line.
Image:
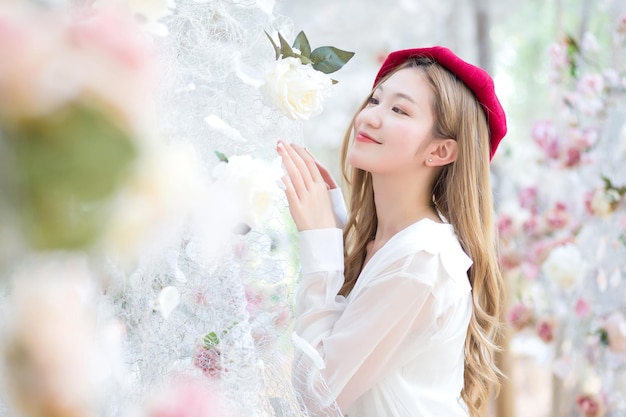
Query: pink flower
[[545, 330], [528, 198], [558, 55], [505, 225], [582, 308], [186, 397], [208, 360], [573, 157], [591, 84], [558, 217], [545, 135], [590, 405], [530, 270], [520, 316], [531, 225]]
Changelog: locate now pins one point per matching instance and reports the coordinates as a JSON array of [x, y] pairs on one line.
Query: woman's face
[[392, 129]]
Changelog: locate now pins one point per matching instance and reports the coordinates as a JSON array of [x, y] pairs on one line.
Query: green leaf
[[329, 59], [211, 340], [276, 48], [302, 44], [70, 163], [221, 156], [604, 337], [285, 49]]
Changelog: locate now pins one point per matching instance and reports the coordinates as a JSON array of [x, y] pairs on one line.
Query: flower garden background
[[146, 252]]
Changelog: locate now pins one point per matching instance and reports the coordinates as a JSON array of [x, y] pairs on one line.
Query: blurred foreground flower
[[590, 405], [73, 97], [187, 397], [55, 364]]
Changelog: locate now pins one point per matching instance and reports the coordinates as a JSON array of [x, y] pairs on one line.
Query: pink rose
[[208, 360], [590, 405], [519, 316], [545, 330]]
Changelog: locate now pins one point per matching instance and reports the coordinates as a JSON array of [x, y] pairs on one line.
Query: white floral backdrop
[[146, 253]]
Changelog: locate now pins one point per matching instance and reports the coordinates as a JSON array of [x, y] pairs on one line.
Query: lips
[[364, 137]]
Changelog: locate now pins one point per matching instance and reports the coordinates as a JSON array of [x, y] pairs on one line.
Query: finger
[[310, 162], [290, 192], [328, 179], [295, 176], [326, 176], [300, 164]]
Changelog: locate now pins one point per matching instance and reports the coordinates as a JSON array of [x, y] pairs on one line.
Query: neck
[[401, 202]]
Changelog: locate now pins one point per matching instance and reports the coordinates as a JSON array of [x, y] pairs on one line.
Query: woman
[[401, 310]]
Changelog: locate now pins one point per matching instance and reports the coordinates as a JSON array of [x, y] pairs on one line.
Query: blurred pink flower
[[545, 329], [573, 157], [505, 226], [591, 84], [520, 316], [545, 135], [590, 405], [187, 397], [558, 217], [208, 360], [582, 308], [558, 55], [528, 198]]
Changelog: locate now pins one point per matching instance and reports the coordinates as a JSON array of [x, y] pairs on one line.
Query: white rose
[[564, 266], [297, 90], [602, 202], [255, 184]]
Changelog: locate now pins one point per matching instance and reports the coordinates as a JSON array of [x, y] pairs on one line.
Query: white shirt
[[395, 346]]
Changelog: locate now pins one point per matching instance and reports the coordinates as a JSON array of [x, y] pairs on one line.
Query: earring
[[430, 159]]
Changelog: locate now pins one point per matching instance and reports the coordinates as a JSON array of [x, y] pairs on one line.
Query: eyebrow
[[401, 95]]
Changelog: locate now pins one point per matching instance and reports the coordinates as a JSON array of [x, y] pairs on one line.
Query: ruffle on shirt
[[425, 235]]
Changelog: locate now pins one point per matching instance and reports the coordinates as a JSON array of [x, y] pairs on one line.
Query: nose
[[370, 115]]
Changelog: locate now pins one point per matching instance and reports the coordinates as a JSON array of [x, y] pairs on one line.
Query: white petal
[[169, 297], [224, 128]]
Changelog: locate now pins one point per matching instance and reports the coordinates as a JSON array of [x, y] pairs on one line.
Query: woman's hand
[[328, 179], [306, 188]]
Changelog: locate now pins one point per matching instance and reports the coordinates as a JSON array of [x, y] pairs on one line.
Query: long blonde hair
[[462, 193]]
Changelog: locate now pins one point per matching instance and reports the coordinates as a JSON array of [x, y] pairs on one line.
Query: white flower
[[151, 209], [255, 183], [297, 90], [50, 344], [564, 266], [602, 202]]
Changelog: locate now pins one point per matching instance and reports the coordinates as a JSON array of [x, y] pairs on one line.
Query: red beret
[[477, 79]]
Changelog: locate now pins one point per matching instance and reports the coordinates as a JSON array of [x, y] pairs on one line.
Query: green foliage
[[326, 59], [221, 156], [69, 163]]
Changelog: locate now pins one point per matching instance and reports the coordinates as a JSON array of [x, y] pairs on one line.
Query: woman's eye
[[373, 100], [399, 110]]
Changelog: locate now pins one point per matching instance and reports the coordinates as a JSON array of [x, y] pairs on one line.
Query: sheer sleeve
[[354, 344], [339, 207]]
